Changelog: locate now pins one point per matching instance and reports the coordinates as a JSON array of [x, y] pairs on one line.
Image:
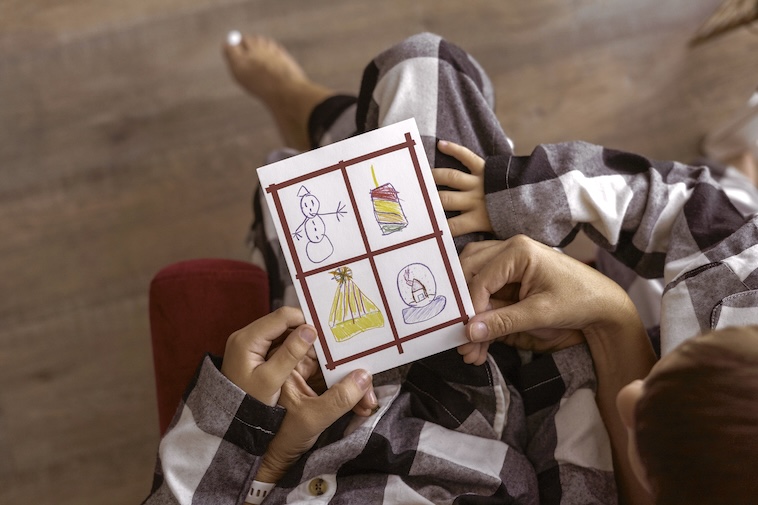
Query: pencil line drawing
[[319, 247], [418, 290], [352, 311], [320, 239], [387, 208]]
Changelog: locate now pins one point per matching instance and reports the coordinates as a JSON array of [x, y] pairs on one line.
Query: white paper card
[[369, 250]]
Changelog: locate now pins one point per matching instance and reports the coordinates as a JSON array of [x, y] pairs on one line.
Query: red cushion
[[194, 306]]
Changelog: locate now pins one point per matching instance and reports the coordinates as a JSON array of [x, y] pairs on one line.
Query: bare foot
[[267, 71]]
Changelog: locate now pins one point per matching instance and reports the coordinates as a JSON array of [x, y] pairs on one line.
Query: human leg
[[447, 92], [442, 87], [424, 77], [307, 115], [263, 68]]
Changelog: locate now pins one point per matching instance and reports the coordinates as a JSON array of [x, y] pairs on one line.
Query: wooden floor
[[125, 146]]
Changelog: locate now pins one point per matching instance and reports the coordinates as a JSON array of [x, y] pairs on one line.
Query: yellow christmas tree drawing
[[352, 311]]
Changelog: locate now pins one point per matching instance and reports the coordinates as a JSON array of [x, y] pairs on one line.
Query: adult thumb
[[492, 324]]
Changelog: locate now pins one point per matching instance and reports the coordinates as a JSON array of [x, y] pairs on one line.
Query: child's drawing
[[319, 246], [387, 209], [418, 289], [352, 311], [319, 204]]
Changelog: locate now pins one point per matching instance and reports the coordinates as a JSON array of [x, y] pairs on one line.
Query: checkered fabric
[[424, 77], [446, 432], [510, 431], [212, 447], [659, 225], [692, 228]]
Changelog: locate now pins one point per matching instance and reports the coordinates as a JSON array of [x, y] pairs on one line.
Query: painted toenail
[[233, 38]]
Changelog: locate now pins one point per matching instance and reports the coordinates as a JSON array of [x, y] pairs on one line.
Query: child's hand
[[245, 362], [272, 362], [469, 197], [310, 381], [308, 415]]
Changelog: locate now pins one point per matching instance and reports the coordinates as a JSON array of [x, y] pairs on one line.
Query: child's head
[[695, 421]]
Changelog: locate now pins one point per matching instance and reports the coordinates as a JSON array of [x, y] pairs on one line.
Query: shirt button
[[317, 486]]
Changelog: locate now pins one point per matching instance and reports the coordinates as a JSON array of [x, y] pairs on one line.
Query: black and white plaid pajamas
[[681, 240]]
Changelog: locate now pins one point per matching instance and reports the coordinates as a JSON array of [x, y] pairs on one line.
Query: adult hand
[[469, 195], [534, 297]]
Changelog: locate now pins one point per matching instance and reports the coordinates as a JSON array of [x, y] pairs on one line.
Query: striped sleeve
[[661, 219], [214, 445]]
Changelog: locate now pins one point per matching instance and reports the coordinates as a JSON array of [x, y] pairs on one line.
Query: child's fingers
[[367, 404], [463, 224], [246, 350], [280, 365], [453, 200], [259, 335], [474, 353], [340, 399], [455, 179], [308, 366], [462, 154]]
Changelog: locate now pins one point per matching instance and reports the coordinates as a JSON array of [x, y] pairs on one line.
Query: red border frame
[[301, 276]]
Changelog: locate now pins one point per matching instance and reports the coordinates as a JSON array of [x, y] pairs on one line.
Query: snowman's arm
[[337, 213], [296, 234]]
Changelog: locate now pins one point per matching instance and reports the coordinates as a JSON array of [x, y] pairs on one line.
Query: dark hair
[[697, 422]]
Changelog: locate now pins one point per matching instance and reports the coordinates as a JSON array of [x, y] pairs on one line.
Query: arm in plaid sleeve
[[577, 444], [567, 409], [621, 353], [568, 444], [661, 219], [215, 442], [632, 206]]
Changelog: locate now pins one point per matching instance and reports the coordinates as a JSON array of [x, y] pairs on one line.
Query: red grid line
[[371, 259], [360, 257], [339, 165], [301, 275], [387, 345], [438, 233]]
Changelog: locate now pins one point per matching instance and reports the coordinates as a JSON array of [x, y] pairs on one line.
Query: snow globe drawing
[[418, 290]]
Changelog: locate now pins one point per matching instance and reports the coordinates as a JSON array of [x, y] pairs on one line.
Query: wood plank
[[76, 419], [125, 146], [31, 25]]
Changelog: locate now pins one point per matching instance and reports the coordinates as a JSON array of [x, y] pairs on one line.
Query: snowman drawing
[[319, 247]]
